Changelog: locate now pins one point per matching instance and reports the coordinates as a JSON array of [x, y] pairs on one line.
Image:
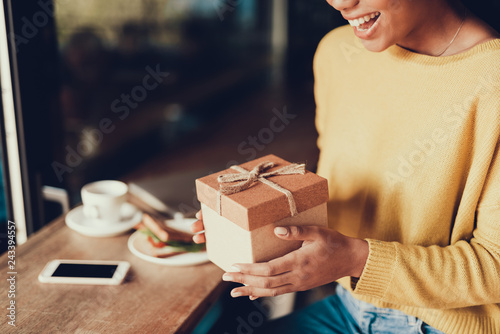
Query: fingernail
[[281, 230], [227, 277], [235, 269], [236, 294], [197, 215], [253, 298]]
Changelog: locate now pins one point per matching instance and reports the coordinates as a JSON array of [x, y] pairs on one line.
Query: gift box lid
[[261, 204]]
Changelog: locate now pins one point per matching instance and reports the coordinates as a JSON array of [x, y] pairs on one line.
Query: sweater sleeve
[[465, 273]]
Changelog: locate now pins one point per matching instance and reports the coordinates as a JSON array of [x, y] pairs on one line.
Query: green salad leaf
[[179, 245]]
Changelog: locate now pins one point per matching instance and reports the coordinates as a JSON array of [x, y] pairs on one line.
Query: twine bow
[[257, 174]]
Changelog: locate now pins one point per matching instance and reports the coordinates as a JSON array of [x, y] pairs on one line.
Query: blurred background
[[221, 68], [155, 92]]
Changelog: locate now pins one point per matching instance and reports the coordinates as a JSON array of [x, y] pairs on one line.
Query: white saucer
[[77, 221], [139, 245]]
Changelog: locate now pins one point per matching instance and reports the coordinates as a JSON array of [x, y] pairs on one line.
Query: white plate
[[76, 220], [139, 245]]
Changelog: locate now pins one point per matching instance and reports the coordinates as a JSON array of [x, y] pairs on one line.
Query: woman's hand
[[197, 227], [325, 256]]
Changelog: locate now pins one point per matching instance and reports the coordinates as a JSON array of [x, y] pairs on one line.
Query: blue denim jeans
[[341, 313]]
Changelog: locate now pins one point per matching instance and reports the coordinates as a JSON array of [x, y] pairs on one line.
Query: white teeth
[[357, 22]]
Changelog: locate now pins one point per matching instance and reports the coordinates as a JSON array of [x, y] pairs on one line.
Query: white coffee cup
[[103, 201]]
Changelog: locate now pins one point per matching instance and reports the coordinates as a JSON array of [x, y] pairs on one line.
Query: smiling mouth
[[365, 22]]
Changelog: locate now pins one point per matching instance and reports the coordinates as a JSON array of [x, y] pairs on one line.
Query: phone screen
[[85, 270]]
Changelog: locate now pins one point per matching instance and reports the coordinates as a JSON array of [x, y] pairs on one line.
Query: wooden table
[[153, 299]]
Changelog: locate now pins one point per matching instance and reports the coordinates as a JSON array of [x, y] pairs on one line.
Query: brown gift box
[[244, 231]]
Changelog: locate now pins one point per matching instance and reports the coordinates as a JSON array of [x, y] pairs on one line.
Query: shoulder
[[341, 33], [337, 37], [485, 60], [337, 45]]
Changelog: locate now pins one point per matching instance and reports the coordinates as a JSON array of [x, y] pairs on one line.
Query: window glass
[[139, 76]]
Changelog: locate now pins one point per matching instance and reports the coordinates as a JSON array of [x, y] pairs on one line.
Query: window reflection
[[139, 76]]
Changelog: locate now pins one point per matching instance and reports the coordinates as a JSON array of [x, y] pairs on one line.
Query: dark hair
[[487, 10]]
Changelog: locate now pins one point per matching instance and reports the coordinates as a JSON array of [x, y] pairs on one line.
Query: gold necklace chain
[[456, 34]]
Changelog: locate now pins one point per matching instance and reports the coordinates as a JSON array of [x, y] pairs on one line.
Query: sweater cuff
[[379, 269]]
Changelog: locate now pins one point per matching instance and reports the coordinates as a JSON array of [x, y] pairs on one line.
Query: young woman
[[408, 116]]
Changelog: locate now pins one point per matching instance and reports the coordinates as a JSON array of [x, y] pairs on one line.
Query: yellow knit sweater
[[410, 147]]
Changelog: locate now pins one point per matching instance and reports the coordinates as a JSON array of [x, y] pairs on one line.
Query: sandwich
[[165, 241]]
